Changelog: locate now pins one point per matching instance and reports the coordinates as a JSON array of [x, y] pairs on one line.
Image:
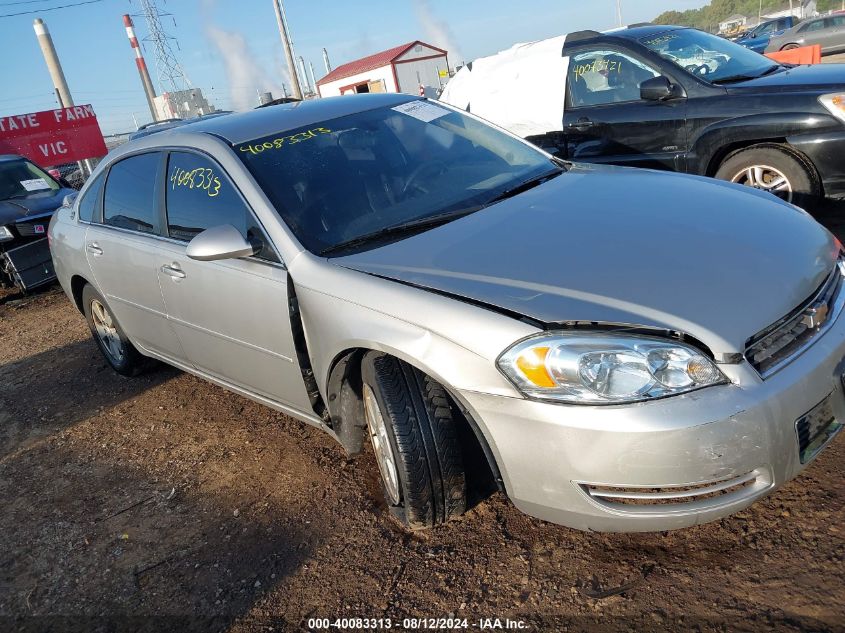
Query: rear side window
[[90, 200], [200, 196], [130, 201], [838, 20], [816, 25]]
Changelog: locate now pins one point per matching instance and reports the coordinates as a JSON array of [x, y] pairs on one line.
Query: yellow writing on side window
[[598, 65], [201, 178], [278, 143]]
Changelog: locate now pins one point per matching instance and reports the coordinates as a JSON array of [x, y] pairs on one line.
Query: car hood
[[613, 245], [36, 204], [822, 77]]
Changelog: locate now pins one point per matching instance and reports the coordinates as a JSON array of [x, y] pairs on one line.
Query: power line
[[64, 6]]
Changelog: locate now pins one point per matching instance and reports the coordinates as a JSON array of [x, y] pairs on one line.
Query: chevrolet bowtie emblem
[[816, 315]]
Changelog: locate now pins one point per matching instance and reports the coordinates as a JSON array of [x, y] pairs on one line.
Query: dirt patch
[[164, 502]]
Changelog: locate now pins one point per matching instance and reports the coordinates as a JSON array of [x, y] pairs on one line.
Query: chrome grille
[[779, 343]]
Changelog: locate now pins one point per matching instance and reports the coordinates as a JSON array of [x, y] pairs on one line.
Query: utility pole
[[619, 13], [283, 32], [54, 66]]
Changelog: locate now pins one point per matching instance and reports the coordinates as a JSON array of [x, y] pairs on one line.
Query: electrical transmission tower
[[171, 77]]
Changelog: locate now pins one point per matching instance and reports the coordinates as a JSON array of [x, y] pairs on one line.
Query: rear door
[[231, 316], [606, 121], [121, 245]]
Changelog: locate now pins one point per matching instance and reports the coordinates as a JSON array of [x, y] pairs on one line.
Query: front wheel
[[413, 429], [110, 338], [776, 169]]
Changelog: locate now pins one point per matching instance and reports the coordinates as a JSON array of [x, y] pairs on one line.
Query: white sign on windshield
[[34, 184], [422, 110]]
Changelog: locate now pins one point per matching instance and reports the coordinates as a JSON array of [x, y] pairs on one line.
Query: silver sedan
[[614, 349], [827, 31]]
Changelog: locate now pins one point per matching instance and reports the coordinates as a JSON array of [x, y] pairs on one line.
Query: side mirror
[[219, 242], [69, 199], [659, 89]]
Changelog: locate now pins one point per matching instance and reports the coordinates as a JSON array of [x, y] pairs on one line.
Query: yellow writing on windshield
[[201, 178], [278, 143]]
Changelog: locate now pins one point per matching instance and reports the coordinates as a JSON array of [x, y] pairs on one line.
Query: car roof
[[634, 32], [11, 157], [245, 126]]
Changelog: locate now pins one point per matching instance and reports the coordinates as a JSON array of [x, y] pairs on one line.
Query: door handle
[[173, 270], [94, 248], [581, 124]]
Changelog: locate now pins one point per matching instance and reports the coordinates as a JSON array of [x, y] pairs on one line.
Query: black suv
[[28, 198], [680, 99]]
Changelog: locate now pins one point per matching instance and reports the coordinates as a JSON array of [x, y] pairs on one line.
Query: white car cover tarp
[[521, 89]]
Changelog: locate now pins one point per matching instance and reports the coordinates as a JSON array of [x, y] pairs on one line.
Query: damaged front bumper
[[669, 463]]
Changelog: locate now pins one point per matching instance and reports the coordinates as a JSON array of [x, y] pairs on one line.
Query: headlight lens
[[598, 368], [835, 104], [6, 234]]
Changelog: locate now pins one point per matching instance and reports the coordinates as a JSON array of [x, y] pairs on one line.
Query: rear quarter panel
[[67, 247]]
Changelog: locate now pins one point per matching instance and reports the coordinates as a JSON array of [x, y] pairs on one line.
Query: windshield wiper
[[404, 228], [432, 221], [525, 186], [735, 78]]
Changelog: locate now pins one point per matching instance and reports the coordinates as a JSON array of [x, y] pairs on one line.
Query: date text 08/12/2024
[[417, 624]]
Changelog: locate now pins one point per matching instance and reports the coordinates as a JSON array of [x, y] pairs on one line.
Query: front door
[[121, 246], [232, 315], [606, 121]]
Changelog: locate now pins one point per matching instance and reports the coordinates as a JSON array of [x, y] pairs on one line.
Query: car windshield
[[22, 179], [713, 58], [406, 167]]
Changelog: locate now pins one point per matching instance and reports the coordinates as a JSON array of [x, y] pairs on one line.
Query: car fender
[[343, 310], [715, 141]]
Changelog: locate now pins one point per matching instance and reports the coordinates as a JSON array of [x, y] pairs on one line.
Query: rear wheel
[[110, 338], [790, 47], [413, 431], [776, 169]]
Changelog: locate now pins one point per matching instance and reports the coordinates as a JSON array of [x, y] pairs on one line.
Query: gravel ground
[[164, 502]]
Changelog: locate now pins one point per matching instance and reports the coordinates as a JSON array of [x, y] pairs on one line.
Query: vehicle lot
[[167, 496]]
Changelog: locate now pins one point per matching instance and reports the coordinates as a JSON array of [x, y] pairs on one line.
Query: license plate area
[[815, 429]]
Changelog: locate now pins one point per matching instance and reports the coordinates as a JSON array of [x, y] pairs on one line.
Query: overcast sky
[[230, 48]]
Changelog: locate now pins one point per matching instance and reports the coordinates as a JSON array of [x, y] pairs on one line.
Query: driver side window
[[200, 196], [601, 77]]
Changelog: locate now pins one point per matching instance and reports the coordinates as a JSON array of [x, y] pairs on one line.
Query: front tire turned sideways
[[412, 426], [115, 347]]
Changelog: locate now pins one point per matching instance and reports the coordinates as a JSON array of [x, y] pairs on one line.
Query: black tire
[[423, 437], [131, 362], [798, 170]]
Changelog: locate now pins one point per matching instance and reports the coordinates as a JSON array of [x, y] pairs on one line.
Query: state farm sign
[[53, 137]]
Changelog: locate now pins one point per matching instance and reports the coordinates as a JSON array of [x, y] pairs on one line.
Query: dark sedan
[[28, 198]]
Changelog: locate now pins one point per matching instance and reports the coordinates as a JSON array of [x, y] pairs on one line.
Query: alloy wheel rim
[[107, 332], [381, 445], [765, 178]]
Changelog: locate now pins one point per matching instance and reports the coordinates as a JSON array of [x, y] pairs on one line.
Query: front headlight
[[6, 234], [835, 104], [599, 368]]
